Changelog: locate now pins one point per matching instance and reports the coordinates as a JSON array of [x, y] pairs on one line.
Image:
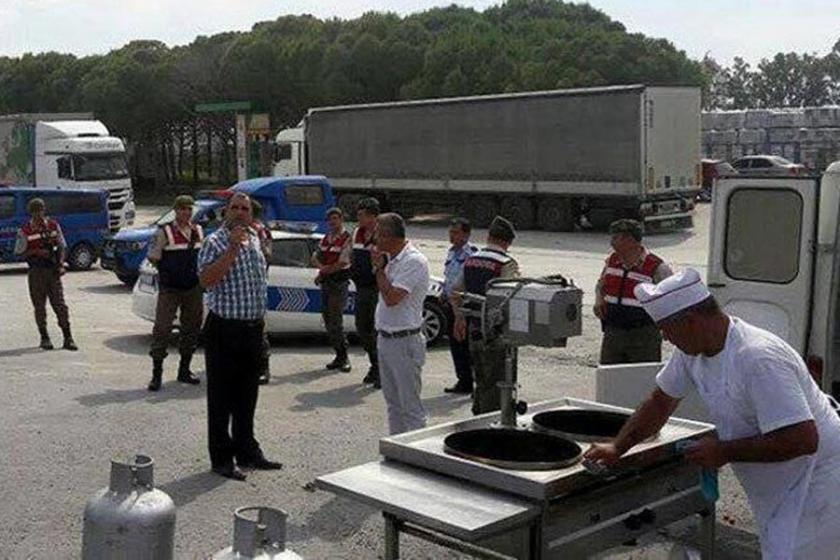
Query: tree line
[[786, 80], [146, 91]]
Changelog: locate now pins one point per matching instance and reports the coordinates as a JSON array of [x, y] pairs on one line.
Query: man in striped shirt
[[232, 269]]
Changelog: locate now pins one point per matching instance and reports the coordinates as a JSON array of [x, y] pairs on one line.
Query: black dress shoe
[[230, 471], [260, 464], [264, 378], [459, 389]]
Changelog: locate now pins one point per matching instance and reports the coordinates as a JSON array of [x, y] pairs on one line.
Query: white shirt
[[755, 385], [408, 271]]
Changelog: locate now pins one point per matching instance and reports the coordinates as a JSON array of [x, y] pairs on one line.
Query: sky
[[751, 29]]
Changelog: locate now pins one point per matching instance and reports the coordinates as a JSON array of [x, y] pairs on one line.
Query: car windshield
[[780, 161], [98, 167]]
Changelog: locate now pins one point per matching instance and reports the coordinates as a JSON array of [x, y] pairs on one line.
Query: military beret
[[183, 201], [500, 228], [334, 210], [35, 204], [633, 227], [369, 204]]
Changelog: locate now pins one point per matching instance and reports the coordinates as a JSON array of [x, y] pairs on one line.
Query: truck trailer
[[542, 159], [67, 150]]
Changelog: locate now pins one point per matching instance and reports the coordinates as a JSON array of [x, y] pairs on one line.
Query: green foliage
[[296, 62]]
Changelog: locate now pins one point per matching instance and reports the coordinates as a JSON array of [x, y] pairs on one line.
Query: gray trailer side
[[540, 158]]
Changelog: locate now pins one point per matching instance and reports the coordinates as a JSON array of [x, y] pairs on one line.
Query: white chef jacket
[[755, 385]]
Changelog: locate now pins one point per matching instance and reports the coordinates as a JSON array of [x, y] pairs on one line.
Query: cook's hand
[[707, 452], [603, 453]]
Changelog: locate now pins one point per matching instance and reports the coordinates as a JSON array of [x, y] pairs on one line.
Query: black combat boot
[[184, 373], [341, 361], [69, 344], [46, 343], [157, 374]]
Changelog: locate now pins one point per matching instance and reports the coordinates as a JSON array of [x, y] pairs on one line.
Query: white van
[[773, 261]]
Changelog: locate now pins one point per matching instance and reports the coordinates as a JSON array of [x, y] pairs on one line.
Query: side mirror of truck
[[65, 169]]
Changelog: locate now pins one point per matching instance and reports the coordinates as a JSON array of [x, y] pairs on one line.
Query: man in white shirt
[[402, 277], [774, 425]]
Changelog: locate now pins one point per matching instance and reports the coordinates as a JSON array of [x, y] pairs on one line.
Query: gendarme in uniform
[[630, 336], [367, 294], [333, 259], [41, 242], [488, 358], [174, 251]]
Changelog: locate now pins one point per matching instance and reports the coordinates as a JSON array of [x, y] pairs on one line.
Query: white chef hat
[[675, 293]]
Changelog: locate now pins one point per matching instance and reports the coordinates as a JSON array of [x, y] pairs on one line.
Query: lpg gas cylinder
[[129, 519], [259, 533]]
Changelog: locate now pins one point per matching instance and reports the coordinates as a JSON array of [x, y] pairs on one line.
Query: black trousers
[[233, 351], [460, 351]]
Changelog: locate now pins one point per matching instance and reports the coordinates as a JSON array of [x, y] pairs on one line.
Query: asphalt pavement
[[65, 415]]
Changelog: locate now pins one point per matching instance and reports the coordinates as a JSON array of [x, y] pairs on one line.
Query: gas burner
[[580, 424], [514, 449]]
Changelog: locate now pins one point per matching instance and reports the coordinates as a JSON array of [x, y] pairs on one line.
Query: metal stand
[[508, 389], [708, 520]]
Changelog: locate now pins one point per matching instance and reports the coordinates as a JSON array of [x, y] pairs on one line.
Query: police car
[[294, 301]]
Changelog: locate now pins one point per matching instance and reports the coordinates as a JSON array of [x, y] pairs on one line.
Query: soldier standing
[[333, 261], [367, 294], [41, 242], [488, 357], [174, 251], [630, 336]]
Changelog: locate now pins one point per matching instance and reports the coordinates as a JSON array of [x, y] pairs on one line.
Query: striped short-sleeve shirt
[[242, 292]]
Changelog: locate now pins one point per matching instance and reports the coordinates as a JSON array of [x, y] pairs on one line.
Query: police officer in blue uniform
[[488, 356], [459, 252]]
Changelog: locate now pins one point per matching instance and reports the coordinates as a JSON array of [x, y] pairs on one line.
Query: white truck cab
[[80, 154]]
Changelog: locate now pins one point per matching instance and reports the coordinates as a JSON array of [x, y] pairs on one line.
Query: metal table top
[[441, 503]]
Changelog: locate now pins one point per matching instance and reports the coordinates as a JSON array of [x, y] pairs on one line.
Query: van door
[[761, 255]]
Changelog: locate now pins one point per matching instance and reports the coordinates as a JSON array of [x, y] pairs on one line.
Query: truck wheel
[[482, 210], [435, 325], [519, 210], [556, 215], [601, 218], [348, 203], [81, 257]]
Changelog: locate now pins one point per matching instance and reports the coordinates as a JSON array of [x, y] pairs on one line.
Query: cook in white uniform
[[774, 425]]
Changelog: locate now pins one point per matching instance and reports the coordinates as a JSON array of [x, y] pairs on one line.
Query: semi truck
[[542, 159], [67, 150]]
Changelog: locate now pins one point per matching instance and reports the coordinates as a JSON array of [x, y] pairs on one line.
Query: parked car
[[124, 252], [82, 214], [768, 165], [294, 301], [300, 200], [712, 169]]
